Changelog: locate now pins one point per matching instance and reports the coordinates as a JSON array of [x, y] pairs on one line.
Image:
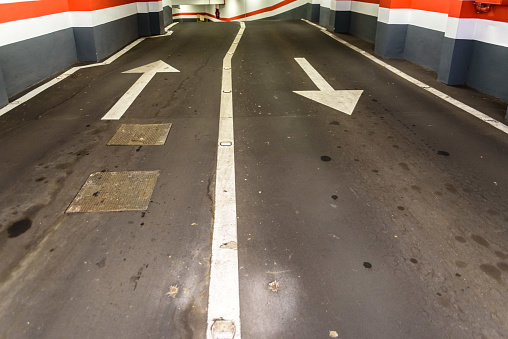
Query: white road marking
[[149, 71], [224, 294], [316, 78], [10, 106], [167, 30], [482, 116], [340, 100]]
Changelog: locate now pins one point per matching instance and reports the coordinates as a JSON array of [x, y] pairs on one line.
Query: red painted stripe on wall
[[27, 10], [93, 5], [262, 10], [256, 12], [454, 8]]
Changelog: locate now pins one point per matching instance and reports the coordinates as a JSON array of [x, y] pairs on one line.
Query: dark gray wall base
[[315, 13], [488, 70], [85, 43], [112, 36], [302, 12], [363, 26], [156, 23], [424, 46], [3, 92], [150, 23], [167, 13], [390, 40], [94, 44], [342, 21], [506, 116], [327, 18], [455, 59], [28, 62]]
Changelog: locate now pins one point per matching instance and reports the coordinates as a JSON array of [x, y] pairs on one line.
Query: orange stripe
[[454, 8], [27, 10], [93, 5], [256, 12]]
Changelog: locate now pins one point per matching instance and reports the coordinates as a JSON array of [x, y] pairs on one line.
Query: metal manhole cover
[[115, 191], [140, 134]]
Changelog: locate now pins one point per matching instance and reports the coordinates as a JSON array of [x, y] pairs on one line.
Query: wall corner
[[455, 59], [4, 100], [390, 40]]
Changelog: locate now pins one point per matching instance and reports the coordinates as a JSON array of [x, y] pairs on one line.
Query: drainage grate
[[136, 134], [115, 191]]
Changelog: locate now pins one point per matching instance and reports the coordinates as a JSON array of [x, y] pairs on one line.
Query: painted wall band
[[34, 49], [39, 26]]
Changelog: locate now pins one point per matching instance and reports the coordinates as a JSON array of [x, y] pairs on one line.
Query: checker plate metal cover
[[140, 135], [115, 191]]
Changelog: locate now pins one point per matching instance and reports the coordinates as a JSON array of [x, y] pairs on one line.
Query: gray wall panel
[[112, 36], [326, 19], [167, 13], [143, 24], [342, 21], [28, 62], [302, 12], [150, 23], [488, 70], [315, 13], [94, 44], [3, 92], [156, 23], [424, 47], [85, 43], [390, 40], [363, 26], [455, 59]]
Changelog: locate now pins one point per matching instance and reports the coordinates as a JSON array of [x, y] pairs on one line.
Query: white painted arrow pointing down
[[340, 100], [121, 106]]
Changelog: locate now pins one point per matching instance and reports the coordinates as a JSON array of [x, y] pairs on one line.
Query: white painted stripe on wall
[[482, 116], [316, 2], [102, 16], [342, 5], [15, 31], [20, 30], [330, 4], [280, 10], [398, 16], [460, 28], [429, 20], [488, 31], [147, 7], [492, 32], [365, 8], [405, 16]]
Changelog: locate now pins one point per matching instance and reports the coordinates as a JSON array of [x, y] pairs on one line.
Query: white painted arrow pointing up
[[121, 106], [340, 100]]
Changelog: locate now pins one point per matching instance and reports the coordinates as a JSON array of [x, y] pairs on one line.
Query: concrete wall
[[41, 38], [446, 36], [241, 10]]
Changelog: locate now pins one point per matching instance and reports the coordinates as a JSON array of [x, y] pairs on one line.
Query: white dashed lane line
[[224, 294]]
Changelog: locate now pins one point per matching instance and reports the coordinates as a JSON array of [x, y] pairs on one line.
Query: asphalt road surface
[[390, 222]]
